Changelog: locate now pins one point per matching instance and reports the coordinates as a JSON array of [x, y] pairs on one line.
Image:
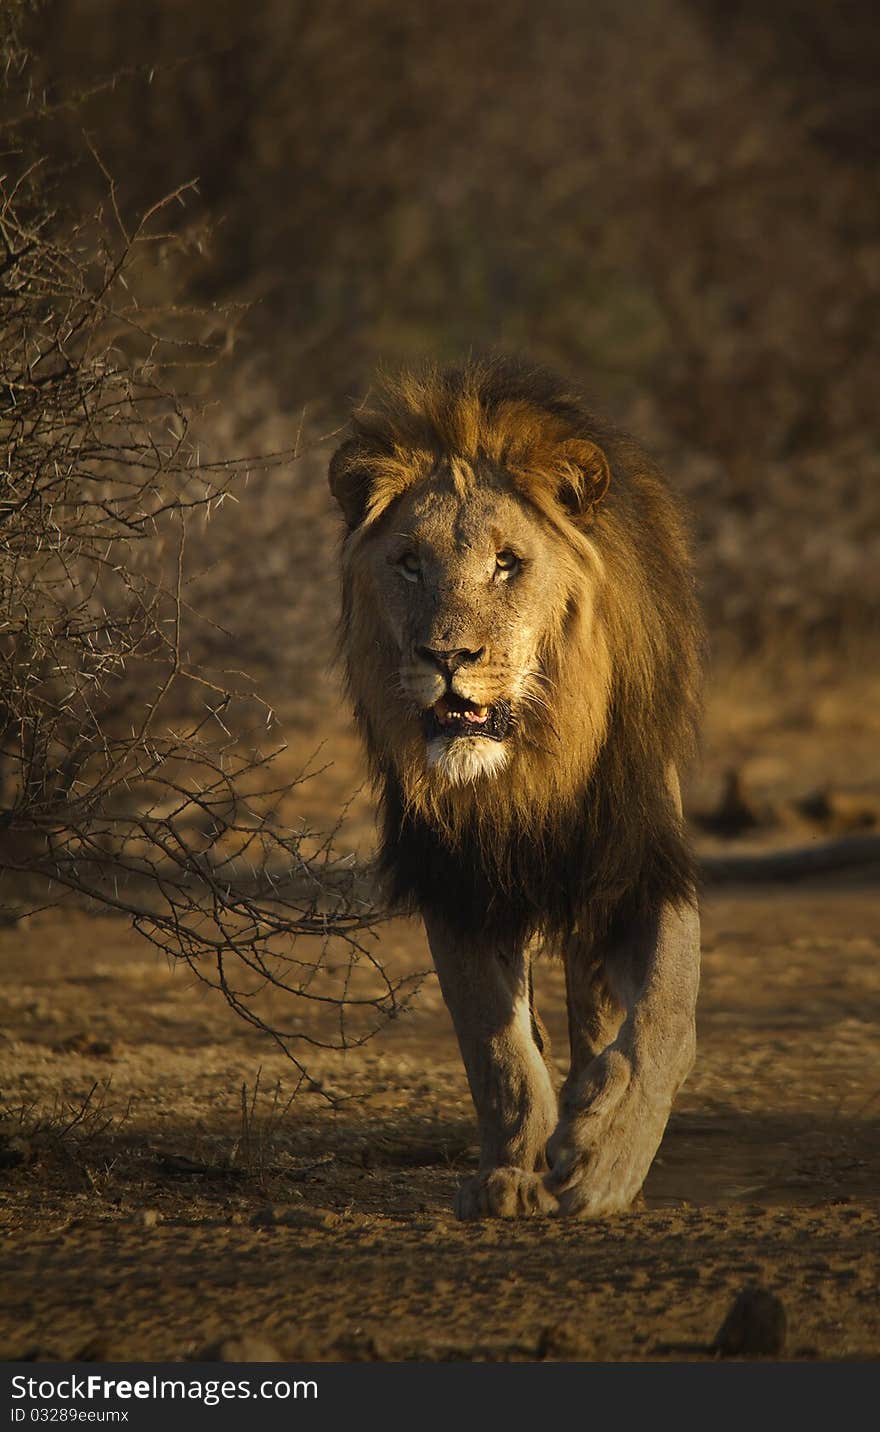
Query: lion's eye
[[506, 561], [409, 564]]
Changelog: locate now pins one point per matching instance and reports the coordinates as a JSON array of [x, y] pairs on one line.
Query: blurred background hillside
[[676, 203]]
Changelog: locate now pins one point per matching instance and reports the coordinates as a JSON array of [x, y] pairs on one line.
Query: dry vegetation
[[673, 201], [133, 777]]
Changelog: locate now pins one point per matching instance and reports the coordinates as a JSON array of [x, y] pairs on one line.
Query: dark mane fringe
[[615, 848], [615, 856]]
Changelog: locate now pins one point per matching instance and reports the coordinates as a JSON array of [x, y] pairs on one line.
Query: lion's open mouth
[[454, 716]]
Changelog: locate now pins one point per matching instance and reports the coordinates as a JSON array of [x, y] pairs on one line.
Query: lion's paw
[[504, 1193], [609, 1132]]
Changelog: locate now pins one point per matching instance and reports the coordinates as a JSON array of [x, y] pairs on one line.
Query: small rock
[[97, 1349], [14, 1151], [557, 1343], [240, 1347], [754, 1327], [837, 811], [735, 813], [294, 1216], [359, 1346], [83, 1043]]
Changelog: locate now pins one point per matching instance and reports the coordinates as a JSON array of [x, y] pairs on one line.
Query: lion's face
[[469, 583]]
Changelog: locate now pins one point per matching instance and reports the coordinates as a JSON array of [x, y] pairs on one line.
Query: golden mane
[[471, 416], [583, 822]]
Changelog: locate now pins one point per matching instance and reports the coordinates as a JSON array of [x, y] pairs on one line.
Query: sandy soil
[[178, 1222]]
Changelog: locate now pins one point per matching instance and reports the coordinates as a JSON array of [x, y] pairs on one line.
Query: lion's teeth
[[447, 714]]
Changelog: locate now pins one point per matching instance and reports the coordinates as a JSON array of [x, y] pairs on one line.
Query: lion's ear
[[350, 481], [584, 477]]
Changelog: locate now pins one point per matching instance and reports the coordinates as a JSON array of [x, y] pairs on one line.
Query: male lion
[[521, 644]]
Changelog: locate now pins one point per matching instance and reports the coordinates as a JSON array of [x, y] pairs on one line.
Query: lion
[[521, 645]]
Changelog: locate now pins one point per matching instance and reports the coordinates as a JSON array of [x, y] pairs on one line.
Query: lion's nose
[[450, 661]]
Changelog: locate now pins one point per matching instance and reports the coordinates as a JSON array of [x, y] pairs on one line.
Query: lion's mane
[[576, 835]]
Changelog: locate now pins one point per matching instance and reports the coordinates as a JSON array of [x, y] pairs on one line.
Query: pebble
[[755, 1326], [292, 1216], [240, 1347]]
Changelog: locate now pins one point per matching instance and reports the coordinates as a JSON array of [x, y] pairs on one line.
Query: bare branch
[[130, 779]]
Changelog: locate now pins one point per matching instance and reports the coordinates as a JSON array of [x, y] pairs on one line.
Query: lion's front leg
[[616, 1101], [487, 992]]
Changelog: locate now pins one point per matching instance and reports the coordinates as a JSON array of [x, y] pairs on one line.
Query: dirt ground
[[146, 1215], [164, 1220]]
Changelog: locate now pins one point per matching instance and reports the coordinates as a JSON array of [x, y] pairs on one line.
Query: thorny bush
[[130, 778]]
